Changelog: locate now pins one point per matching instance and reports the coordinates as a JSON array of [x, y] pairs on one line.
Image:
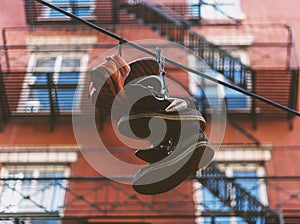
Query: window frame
[[33, 69], [33, 189], [46, 11], [229, 169], [198, 84]]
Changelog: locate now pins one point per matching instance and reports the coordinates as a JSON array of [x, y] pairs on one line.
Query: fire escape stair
[[242, 202], [176, 28]]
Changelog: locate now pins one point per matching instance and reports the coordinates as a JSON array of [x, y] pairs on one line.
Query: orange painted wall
[[11, 18], [284, 160]]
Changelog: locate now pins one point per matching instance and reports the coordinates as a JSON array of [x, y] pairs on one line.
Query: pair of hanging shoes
[[171, 164], [171, 125], [181, 151]]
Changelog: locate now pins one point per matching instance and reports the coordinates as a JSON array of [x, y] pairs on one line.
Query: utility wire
[[136, 46]]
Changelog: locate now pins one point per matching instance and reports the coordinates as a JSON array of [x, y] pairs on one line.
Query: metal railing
[[169, 21], [243, 201], [254, 77], [94, 197]]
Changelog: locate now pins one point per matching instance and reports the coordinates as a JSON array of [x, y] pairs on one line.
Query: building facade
[[52, 173]]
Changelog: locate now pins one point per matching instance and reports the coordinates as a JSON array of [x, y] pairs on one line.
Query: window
[[211, 94], [216, 9], [254, 187], [37, 189], [63, 72], [81, 8]]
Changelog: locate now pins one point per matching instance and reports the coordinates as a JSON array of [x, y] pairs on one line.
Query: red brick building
[[48, 176]]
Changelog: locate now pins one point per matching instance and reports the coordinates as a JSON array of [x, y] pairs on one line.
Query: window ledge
[[62, 19], [55, 154], [244, 153]]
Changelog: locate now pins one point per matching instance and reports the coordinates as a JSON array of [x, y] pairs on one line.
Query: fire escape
[[170, 24], [175, 27], [178, 29], [244, 203]]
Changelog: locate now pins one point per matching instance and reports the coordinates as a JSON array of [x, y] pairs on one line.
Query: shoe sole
[[158, 177]]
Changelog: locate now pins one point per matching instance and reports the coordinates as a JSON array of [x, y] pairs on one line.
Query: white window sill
[[62, 19]]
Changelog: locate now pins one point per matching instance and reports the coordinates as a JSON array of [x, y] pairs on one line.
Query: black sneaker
[[164, 149], [157, 153], [136, 126], [162, 176], [152, 155]]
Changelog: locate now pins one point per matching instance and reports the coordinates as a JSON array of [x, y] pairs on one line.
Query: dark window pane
[[49, 62], [54, 13], [83, 11], [40, 78], [68, 78], [71, 63], [65, 98]]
